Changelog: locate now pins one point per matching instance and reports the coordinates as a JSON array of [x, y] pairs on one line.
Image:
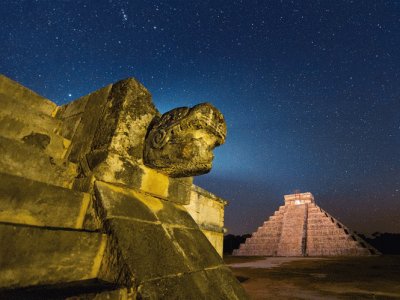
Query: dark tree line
[[232, 242], [386, 243]]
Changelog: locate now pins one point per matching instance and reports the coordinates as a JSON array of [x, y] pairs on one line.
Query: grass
[[375, 277]]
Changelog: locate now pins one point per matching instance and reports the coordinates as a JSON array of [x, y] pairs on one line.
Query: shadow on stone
[[59, 291]]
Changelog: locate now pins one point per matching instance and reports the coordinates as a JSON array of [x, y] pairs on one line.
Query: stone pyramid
[[302, 228]]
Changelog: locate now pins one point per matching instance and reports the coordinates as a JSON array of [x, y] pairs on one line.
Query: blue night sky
[[310, 89]]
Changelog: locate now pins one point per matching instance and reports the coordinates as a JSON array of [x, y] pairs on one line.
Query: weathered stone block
[[208, 211], [31, 202], [9, 107], [111, 167], [179, 189], [81, 120], [45, 139], [32, 127], [182, 286], [223, 285], [216, 239], [38, 256], [147, 249], [13, 90], [28, 161], [119, 202], [123, 123], [196, 248]]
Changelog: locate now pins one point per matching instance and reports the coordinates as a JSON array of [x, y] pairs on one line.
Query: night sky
[[310, 89]]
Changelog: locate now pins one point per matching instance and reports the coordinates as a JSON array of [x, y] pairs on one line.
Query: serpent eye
[[159, 139]]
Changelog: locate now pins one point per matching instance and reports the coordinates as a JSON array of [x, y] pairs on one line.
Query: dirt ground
[[375, 277]]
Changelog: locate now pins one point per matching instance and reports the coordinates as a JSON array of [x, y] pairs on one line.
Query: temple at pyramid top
[[299, 198], [302, 228]]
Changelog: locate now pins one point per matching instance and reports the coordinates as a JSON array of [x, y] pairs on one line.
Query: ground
[[374, 277]]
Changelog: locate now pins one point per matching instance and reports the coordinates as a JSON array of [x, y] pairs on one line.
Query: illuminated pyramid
[[301, 228]]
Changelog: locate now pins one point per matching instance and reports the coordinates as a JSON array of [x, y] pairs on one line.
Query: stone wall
[[208, 212]]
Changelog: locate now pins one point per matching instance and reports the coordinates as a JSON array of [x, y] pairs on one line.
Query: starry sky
[[310, 89]]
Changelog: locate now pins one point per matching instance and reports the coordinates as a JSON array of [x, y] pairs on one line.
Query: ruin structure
[[302, 228], [97, 199], [208, 212]]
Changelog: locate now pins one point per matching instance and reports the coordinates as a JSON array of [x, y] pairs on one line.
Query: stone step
[[312, 210], [20, 159], [276, 217], [323, 239], [41, 256], [276, 230], [272, 225], [321, 226], [13, 90], [25, 201], [261, 243], [337, 252], [322, 220], [240, 252], [325, 232], [35, 129], [329, 243], [318, 216], [269, 231], [265, 240]]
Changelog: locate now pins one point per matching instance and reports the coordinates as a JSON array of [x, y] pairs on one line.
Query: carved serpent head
[[180, 142]]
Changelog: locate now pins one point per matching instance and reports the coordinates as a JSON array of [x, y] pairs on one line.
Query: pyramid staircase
[[301, 228]]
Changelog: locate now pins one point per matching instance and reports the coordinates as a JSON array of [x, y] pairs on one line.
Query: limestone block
[[197, 249], [13, 90], [15, 108], [123, 123], [147, 249], [69, 127], [25, 201], [81, 119], [179, 189], [111, 167], [179, 233], [208, 211], [117, 202], [122, 202], [156, 237], [27, 161], [38, 256], [180, 286], [223, 285], [217, 282], [43, 138], [78, 106], [216, 239]]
